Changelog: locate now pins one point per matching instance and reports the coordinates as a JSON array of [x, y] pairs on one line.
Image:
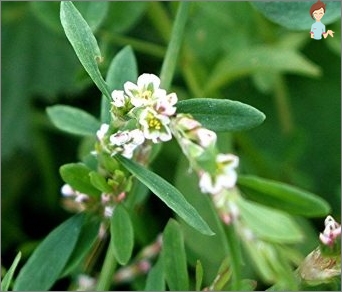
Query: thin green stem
[[235, 256], [283, 105], [171, 57], [107, 272]]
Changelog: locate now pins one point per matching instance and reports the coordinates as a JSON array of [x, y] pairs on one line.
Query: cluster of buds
[[331, 232], [216, 170]]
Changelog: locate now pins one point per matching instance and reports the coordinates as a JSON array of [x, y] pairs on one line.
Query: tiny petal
[[206, 137], [118, 97], [120, 138], [67, 190], [137, 137], [102, 132]]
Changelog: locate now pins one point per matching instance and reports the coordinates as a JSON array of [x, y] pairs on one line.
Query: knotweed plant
[[140, 114]]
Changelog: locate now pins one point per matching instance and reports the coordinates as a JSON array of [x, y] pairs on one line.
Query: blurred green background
[[231, 50]]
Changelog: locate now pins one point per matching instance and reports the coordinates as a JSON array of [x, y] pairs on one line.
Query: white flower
[[155, 126], [145, 91], [67, 190], [119, 98], [127, 141], [102, 132], [206, 137], [225, 176], [165, 104], [331, 231], [120, 138]]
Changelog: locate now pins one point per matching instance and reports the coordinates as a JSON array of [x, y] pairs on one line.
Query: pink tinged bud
[[206, 137], [105, 198], [144, 266], [188, 123], [119, 138], [67, 190], [121, 197]]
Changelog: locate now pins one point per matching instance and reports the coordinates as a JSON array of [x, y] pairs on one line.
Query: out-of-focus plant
[[249, 225]]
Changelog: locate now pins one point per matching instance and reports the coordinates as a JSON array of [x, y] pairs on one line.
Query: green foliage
[[73, 120], [122, 235], [222, 115], [168, 194], [265, 64], [49, 258], [285, 197], [84, 43], [175, 268], [7, 279]]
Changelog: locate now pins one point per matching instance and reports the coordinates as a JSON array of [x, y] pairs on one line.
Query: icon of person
[[317, 11]]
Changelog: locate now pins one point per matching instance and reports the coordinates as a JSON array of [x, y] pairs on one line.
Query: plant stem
[[106, 277], [235, 256], [170, 60]]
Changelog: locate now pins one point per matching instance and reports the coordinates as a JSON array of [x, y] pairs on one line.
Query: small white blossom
[[102, 132], [155, 126], [145, 91], [67, 190], [165, 104], [120, 138], [206, 137], [119, 98], [331, 231], [108, 211], [225, 176]]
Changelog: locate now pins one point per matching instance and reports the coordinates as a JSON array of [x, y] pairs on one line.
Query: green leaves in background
[[122, 235], [73, 120], [77, 176], [263, 58], [7, 279], [222, 115], [283, 196], [174, 257], [49, 258], [84, 43], [155, 279], [269, 224], [296, 15], [123, 68], [168, 194]]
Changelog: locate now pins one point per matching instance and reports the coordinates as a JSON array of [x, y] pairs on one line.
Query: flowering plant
[[113, 179]]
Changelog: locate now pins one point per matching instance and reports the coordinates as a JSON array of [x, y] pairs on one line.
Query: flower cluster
[[216, 171], [145, 112]]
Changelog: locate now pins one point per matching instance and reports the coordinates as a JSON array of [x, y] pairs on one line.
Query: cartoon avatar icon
[[317, 11]]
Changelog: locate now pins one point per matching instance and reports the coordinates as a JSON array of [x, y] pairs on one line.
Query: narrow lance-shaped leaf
[[222, 115], [84, 43], [6, 281], [283, 196], [122, 235], [174, 257], [123, 68], [73, 120], [49, 258], [168, 194], [269, 224]]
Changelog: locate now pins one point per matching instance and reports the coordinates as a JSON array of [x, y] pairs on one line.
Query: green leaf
[[168, 194], [6, 281], [269, 224], [85, 242], [222, 115], [77, 176], [199, 275], [263, 58], [73, 120], [49, 258], [99, 182], [84, 43], [283, 196], [174, 257], [155, 278], [296, 15], [94, 12], [122, 234], [123, 68]]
